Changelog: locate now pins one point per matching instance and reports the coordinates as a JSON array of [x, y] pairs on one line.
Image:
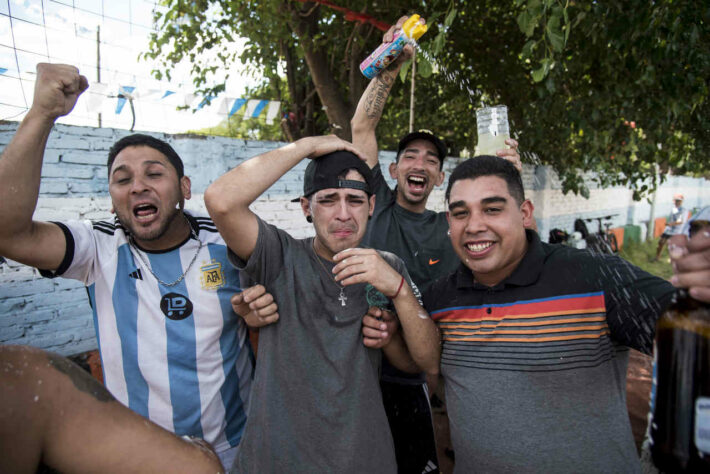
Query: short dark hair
[[428, 136], [139, 139], [487, 165]]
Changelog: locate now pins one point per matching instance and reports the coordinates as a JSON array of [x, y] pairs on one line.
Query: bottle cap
[[412, 28]]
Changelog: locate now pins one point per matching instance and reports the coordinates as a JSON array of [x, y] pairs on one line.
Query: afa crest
[[212, 276]]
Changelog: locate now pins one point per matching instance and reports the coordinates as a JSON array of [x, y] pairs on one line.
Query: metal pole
[[98, 60], [651, 227], [411, 94]]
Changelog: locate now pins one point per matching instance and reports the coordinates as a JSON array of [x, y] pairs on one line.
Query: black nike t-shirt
[[419, 239]]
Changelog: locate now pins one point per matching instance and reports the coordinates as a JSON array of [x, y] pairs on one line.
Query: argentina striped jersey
[[177, 355]]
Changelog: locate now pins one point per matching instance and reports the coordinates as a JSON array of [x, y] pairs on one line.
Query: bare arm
[[372, 102], [51, 408], [229, 197], [34, 243]]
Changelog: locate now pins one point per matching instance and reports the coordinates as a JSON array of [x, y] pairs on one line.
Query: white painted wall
[[55, 314]]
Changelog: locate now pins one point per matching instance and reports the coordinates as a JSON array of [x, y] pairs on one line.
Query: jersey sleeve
[[80, 255]]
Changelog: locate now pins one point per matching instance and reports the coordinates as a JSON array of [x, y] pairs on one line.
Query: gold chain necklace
[[342, 298]]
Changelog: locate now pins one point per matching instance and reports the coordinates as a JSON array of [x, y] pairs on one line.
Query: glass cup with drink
[[492, 123]]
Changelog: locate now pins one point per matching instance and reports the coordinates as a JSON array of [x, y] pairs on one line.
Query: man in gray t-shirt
[[316, 405]]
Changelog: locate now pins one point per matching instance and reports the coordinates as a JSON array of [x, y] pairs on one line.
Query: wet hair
[[138, 139], [487, 165]]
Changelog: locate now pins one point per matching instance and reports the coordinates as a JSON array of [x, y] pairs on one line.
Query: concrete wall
[[55, 314]]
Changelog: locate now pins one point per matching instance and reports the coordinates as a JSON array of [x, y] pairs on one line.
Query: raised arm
[[372, 102], [33, 243], [229, 197]]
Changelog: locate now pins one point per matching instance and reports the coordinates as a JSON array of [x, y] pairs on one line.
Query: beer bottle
[[680, 427]]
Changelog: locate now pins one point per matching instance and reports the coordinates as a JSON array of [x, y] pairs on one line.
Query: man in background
[[402, 224], [676, 219]]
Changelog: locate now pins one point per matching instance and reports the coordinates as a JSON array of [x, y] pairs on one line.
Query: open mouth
[[416, 183], [479, 248], [144, 212]]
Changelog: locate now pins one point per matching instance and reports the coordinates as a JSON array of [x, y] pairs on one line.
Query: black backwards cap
[[323, 172], [424, 135]]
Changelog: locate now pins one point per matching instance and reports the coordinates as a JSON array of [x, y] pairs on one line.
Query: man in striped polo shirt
[[172, 347], [535, 337]]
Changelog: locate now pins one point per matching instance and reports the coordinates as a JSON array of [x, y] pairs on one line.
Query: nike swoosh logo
[[433, 262]]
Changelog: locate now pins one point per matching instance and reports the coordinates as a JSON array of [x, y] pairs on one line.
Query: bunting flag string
[[98, 92], [124, 93]]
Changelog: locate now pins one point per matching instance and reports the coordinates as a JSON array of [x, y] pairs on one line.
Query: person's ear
[[527, 209], [372, 205], [306, 208], [186, 187], [440, 178], [393, 170]]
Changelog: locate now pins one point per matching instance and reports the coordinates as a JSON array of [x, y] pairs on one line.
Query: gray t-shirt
[[316, 404]]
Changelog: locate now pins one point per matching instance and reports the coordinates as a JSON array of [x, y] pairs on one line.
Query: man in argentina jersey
[[172, 347], [536, 336]]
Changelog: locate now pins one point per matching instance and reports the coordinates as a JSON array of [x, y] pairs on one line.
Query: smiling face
[[488, 227], [148, 197], [417, 171], [339, 216]]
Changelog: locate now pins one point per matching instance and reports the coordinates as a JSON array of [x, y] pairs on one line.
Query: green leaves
[[571, 73]]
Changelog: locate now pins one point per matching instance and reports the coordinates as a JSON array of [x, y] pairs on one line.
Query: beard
[[148, 235]]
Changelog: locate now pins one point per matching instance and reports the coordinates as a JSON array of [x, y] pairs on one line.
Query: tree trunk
[[336, 109]]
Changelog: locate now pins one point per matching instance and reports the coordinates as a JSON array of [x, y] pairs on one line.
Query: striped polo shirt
[[535, 366], [177, 355]]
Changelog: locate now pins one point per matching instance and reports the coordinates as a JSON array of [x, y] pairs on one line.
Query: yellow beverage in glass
[[488, 144], [492, 124]]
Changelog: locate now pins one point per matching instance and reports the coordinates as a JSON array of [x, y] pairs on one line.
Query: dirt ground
[[638, 389]]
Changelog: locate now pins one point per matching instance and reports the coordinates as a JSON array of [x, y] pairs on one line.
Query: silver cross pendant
[[342, 297]]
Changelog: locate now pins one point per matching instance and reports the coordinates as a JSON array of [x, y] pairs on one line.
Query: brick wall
[[55, 314]]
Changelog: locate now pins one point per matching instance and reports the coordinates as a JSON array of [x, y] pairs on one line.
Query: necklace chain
[[182, 277], [342, 298]]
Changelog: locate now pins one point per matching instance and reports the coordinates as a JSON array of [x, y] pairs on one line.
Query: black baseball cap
[[424, 135], [323, 172]]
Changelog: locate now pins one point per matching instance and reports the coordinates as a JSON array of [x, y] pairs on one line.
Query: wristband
[[401, 282]]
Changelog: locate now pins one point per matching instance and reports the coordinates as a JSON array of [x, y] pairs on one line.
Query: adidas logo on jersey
[[137, 274]]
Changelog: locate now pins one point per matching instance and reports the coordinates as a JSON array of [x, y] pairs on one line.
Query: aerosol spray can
[[380, 58]]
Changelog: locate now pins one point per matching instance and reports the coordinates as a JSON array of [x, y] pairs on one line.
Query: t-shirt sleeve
[[634, 301], [384, 195], [80, 255], [266, 261]]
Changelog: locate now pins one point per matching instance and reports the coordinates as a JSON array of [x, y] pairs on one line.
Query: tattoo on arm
[[377, 96], [79, 378]]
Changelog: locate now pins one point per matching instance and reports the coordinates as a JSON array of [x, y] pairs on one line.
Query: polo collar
[[526, 273]]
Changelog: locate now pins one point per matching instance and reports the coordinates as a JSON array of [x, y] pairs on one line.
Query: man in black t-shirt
[[402, 224]]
